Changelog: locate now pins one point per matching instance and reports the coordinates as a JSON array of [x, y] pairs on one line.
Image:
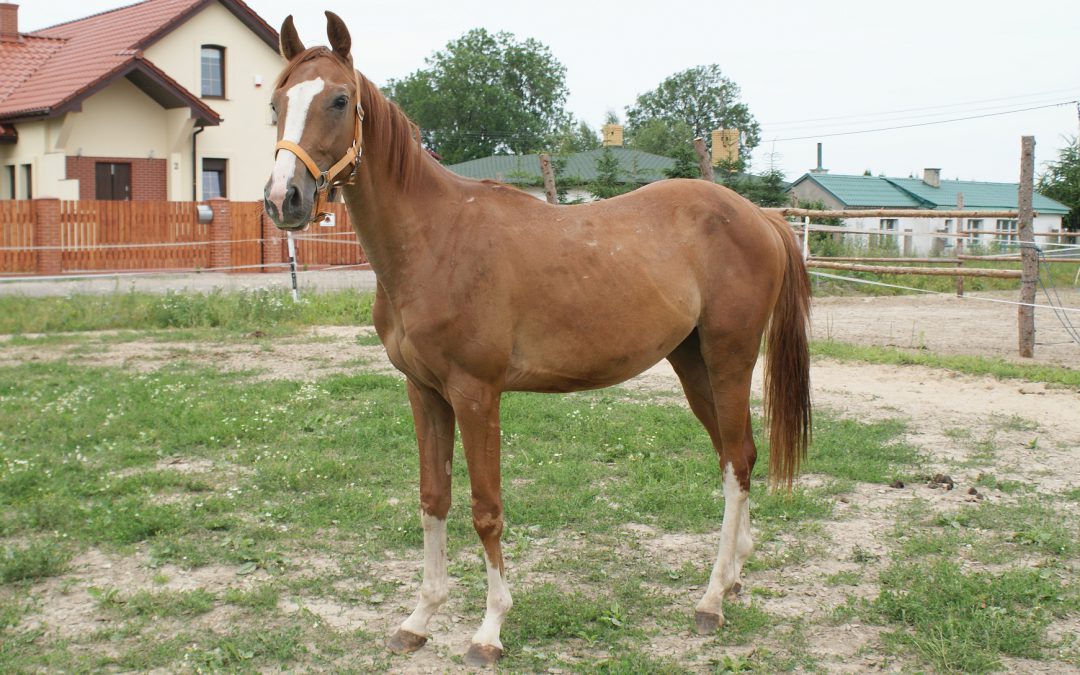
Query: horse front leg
[[434, 421], [476, 406]]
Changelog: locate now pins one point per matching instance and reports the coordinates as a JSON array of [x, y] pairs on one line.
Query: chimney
[[9, 22], [612, 134], [932, 177], [725, 146], [819, 169]]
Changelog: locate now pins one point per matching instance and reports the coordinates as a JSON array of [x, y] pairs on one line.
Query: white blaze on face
[[300, 97]]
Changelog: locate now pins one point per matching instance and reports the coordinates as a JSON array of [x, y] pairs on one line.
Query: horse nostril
[[292, 198]]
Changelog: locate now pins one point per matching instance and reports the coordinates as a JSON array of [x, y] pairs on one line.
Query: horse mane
[[388, 131]]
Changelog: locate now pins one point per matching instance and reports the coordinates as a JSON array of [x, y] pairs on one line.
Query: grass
[[277, 473], [965, 621], [263, 310], [960, 363]]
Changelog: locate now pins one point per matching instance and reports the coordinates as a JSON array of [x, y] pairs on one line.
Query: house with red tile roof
[[159, 100]]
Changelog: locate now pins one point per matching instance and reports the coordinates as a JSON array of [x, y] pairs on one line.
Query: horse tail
[[787, 366]]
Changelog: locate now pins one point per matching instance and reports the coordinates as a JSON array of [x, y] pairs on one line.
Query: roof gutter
[[195, 162]]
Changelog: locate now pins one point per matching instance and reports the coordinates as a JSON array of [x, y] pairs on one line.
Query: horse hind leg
[[721, 403]]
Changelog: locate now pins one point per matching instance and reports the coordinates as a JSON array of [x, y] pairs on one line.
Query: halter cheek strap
[[328, 180]]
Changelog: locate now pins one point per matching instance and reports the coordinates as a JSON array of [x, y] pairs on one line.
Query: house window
[[947, 243], [1006, 230], [28, 181], [9, 181], [213, 71], [213, 178], [112, 181], [887, 239], [974, 225]]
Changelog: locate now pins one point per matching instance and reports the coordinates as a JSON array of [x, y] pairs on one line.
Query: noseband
[[325, 181]]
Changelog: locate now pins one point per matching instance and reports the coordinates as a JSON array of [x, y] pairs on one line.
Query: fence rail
[[49, 237]]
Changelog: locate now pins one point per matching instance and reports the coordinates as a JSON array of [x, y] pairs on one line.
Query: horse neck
[[398, 222]]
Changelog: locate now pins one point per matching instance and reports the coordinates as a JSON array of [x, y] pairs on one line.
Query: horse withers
[[484, 289]]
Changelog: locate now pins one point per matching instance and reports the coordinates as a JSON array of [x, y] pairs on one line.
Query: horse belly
[[572, 360]]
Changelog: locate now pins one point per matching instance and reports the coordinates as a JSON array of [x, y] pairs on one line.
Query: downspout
[[195, 163]]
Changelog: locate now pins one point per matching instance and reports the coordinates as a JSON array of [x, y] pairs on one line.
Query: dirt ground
[[1035, 427]]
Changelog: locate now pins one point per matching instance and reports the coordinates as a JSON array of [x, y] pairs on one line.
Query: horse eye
[[341, 101], [273, 114]]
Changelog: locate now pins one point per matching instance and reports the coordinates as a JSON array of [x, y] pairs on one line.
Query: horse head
[[319, 124]]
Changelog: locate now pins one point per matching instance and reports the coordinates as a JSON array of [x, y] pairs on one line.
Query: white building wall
[[911, 234]]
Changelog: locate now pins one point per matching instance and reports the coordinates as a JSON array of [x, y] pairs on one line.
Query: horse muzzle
[[288, 207]]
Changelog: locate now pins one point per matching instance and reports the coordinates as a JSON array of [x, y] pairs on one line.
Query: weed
[[36, 560]]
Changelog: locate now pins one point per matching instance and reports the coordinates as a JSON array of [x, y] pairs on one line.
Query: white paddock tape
[[840, 277]]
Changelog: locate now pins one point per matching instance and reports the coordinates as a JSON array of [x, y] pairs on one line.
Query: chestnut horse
[[484, 289]]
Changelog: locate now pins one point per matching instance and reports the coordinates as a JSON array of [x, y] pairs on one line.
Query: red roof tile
[[55, 67]]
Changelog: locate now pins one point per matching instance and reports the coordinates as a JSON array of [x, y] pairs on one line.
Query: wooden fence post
[[704, 162], [220, 234], [47, 237], [959, 243], [1029, 261], [549, 179]]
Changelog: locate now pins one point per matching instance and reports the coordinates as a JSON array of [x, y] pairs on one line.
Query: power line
[[924, 124], [919, 109]]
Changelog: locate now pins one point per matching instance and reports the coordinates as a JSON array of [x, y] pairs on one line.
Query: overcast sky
[[806, 68]]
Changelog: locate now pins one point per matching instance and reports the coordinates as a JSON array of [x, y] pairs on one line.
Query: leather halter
[[329, 180]]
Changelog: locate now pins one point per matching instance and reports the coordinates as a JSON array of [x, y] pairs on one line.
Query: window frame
[[220, 166], [220, 49], [1011, 230]]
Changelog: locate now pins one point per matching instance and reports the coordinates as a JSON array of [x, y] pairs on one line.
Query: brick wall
[[149, 181]]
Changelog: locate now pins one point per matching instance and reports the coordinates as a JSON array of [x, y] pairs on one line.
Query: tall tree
[[673, 139], [703, 98], [573, 136], [485, 93], [1061, 181]]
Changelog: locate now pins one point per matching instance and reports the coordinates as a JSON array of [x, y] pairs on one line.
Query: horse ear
[[290, 42], [339, 36]]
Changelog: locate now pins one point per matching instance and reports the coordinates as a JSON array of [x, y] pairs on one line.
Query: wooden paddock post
[[959, 244], [1029, 261], [549, 179], [704, 162]]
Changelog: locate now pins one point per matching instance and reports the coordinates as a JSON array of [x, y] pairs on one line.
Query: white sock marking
[[734, 547], [434, 589], [498, 605], [300, 97]]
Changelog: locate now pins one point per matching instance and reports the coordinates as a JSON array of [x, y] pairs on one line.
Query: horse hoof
[[734, 591], [404, 642], [707, 623], [480, 656]]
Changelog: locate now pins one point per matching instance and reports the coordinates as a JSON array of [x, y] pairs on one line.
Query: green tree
[[701, 97], [1061, 181], [484, 94], [672, 139], [607, 183], [573, 136]]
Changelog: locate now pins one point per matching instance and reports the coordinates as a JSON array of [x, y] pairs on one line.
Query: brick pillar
[[220, 233], [272, 252], [47, 234]]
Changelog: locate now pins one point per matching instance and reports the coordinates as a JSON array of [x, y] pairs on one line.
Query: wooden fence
[[52, 237]]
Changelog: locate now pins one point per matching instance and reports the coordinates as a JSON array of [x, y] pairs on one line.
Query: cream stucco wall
[[41, 147], [119, 121], [245, 138]]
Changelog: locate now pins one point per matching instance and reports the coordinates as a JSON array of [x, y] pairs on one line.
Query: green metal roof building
[[914, 236], [635, 167], [877, 192]]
